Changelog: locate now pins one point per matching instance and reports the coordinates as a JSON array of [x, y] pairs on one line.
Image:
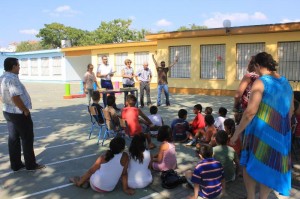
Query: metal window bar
[[289, 60], [120, 58], [183, 68], [243, 56], [45, 68], [212, 64], [34, 67], [56, 66], [24, 67], [139, 59]]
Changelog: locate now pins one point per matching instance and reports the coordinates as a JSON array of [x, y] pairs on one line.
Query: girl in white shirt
[[139, 174], [107, 170]]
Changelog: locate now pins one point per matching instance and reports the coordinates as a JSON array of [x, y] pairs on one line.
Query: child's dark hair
[[111, 100], [96, 95], [230, 124], [182, 113], [222, 111], [209, 120], [198, 107], [153, 110], [208, 110], [164, 134], [221, 137], [137, 147], [205, 151], [131, 99], [116, 145]]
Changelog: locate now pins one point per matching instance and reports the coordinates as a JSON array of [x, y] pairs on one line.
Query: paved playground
[[61, 132]]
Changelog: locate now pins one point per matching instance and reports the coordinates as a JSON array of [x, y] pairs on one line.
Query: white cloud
[[289, 20], [29, 32], [132, 17], [64, 10], [163, 22], [236, 18]]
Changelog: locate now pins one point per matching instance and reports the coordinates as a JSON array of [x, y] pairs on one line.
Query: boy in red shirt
[[198, 123]]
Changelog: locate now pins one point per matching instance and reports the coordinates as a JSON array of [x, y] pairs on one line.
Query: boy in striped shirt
[[208, 176]]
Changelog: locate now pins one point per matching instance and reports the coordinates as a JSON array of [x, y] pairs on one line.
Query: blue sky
[[21, 20]]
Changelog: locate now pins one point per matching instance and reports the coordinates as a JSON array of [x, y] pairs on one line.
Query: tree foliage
[[192, 27], [25, 46]]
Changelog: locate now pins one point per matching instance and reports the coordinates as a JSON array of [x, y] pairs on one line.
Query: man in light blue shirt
[[16, 105], [144, 76]]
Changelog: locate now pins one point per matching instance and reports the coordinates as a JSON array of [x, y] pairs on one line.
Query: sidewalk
[[61, 131]]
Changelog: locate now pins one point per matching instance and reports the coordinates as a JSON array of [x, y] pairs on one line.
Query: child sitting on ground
[[96, 99], [205, 135], [105, 173], [208, 176], [226, 156], [131, 114], [208, 110], [155, 118], [139, 174], [166, 157], [180, 127], [219, 121], [198, 123], [229, 125], [113, 121]]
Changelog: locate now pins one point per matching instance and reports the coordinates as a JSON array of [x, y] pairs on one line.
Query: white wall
[[76, 67]]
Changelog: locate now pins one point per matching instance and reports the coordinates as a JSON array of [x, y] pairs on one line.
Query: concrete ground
[[61, 131]]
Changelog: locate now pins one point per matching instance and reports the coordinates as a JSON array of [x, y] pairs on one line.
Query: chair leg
[[105, 136], [99, 135]]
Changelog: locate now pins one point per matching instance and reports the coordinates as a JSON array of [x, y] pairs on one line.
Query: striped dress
[[267, 139]]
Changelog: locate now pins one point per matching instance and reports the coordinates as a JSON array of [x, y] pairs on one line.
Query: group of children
[[210, 136]]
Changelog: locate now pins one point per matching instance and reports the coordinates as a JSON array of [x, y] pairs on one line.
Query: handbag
[[171, 179]]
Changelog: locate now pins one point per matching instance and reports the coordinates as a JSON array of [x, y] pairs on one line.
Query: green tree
[[52, 35], [192, 27], [25, 46]]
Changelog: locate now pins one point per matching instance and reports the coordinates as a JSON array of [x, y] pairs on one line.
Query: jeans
[[166, 91], [108, 85], [145, 86], [20, 129]]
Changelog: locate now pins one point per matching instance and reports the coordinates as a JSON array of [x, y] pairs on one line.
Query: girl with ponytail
[[105, 173]]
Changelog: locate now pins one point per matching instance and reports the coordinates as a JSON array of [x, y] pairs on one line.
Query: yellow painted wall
[[230, 82], [130, 50]]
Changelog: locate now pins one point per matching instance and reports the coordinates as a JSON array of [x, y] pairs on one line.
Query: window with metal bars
[[289, 60], [34, 67], [244, 52], [183, 68], [139, 59], [24, 67], [119, 62], [212, 61], [56, 66], [45, 68]]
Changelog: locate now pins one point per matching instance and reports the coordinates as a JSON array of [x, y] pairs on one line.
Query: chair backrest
[[94, 115]]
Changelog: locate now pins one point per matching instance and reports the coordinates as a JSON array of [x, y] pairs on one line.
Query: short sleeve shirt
[[162, 74], [128, 71], [144, 75], [89, 79], [11, 86], [104, 69]]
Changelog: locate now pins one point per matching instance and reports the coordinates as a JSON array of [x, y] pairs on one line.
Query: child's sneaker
[[191, 143]]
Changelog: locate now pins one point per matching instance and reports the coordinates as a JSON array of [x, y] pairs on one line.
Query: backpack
[[170, 179]]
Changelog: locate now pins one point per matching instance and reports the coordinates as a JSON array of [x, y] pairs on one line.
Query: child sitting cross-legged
[[229, 125], [135, 124], [155, 118], [166, 157], [105, 173], [208, 176], [180, 127]]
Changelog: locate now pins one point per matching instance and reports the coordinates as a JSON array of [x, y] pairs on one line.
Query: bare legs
[[250, 187]]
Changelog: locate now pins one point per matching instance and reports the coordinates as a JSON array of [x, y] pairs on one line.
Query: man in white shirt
[[105, 72], [144, 76], [16, 105]]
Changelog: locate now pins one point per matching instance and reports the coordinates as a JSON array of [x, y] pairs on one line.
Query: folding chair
[[94, 116], [123, 127]]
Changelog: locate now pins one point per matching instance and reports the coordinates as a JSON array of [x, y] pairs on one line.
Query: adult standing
[[16, 105], [243, 92], [267, 140], [88, 82], [144, 76], [105, 72], [162, 73], [127, 74]]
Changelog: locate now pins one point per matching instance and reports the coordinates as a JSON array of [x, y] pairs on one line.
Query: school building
[[211, 61]]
